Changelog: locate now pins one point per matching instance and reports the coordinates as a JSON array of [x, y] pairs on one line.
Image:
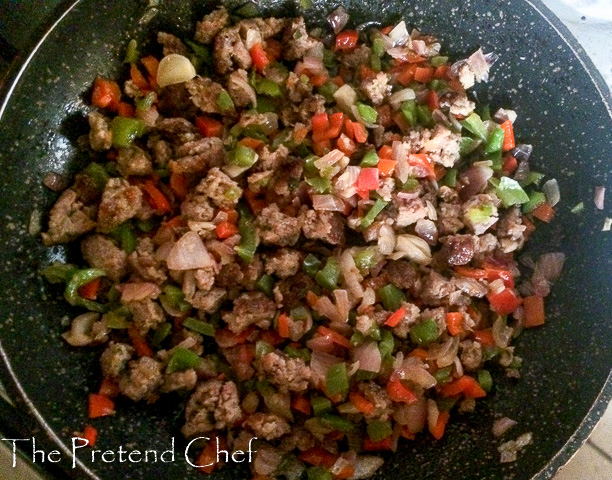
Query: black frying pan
[[565, 113]]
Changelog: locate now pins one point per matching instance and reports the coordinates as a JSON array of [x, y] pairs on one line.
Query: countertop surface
[[590, 21]]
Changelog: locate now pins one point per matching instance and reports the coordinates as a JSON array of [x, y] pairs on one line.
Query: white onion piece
[[325, 307], [502, 425], [504, 114], [413, 416], [502, 334], [359, 118], [412, 247], [237, 82], [551, 190], [386, 239], [444, 354], [401, 96], [418, 375], [80, 330], [419, 47], [399, 35], [479, 65], [345, 184], [314, 65], [343, 305], [136, 291], [458, 367], [329, 159], [369, 297], [368, 356], [427, 230], [365, 466], [189, 253], [432, 414], [345, 97], [352, 276], [174, 68], [253, 37], [321, 343], [400, 153], [600, 193], [328, 203]]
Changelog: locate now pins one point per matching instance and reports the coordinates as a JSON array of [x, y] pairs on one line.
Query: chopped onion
[[320, 363], [368, 356], [253, 37], [504, 114], [522, 152], [163, 251], [322, 343], [189, 253], [600, 193], [342, 305], [471, 286], [314, 65], [399, 35], [474, 180], [136, 291], [55, 182], [419, 47], [502, 425], [174, 68], [401, 96], [345, 97], [607, 226], [427, 230], [551, 190], [458, 367], [400, 153], [328, 203], [328, 160], [479, 65], [412, 247], [417, 374], [359, 118], [432, 414], [351, 275], [325, 307], [369, 297], [238, 82], [365, 466], [80, 330], [431, 210], [345, 184], [413, 416], [386, 239], [444, 354], [338, 19], [148, 116], [502, 334]]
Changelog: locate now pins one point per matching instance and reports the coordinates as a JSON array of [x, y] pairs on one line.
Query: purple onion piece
[[600, 194], [522, 152], [338, 19]]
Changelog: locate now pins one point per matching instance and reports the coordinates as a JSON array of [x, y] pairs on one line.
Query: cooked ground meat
[[229, 49], [120, 202], [283, 263], [134, 161], [379, 398], [291, 291], [284, 372], [210, 301], [401, 273], [145, 264], [100, 252], [435, 289], [471, 355], [458, 249], [221, 189], [250, 308], [146, 315], [68, 219], [409, 319], [276, 228], [198, 156], [171, 44], [326, 226], [100, 136], [142, 379], [204, 94], [213, 405], [377, 88], [211, 25], [267, 425], [184, 381], [297, 40], [239, 89], [114, 359]]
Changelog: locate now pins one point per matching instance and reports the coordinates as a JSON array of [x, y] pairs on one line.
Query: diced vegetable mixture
[[311, 236]]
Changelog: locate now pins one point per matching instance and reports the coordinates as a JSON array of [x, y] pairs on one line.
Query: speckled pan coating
[[542, 73]]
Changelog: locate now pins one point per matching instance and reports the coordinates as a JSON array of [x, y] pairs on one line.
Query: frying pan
[[564, 111]]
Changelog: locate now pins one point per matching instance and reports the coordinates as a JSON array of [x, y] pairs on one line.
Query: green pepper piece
[[182, 359], [161, 333], [479, 214], [496, 160], [306, 4], [199, 326], [489, 353], [370, 159], [391, 297], [446, 404], [409, 111], [363, 376], [369, 217], [303, 353], [387, 343], [411, 185], [535, 199], [443, 374], [336, 422], [366, 259], [248, 235], [320, 405], [201, 51], [267, 87], [357, 338], [309, 166], [578, 208], [424, 332], [242, 156], [147, 225], [378, 46], [375, 63], [485, 379], [125, 130], [474, 124], [318, 473], [59, 272], [450, 179], [131, 52], [425, 116], [467, 145], [225, 102], [80, 278], [437, 84], [485, 113], [328, 276], [496, 141], [329, 58], [118, 318], [262, 348], [336, 381], [299, 313], [124, 234], [378, 430], [510, 192], [438, 61], [367, 113], [327, 90], [532, 178], [311, 264], [176, 298], [248, 10], [265, 284], [98, 174], [146, 102], [320, 185]]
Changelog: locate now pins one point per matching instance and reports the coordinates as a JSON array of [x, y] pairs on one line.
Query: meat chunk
[[214, 405], [409, 211], [449, 218], [120, 202], [299, 438], [162, 151], [460, 104], [276, 228], [410, 318], [267, 27], [435, 289], [171, 44], [229, 49], [134, 161], [100, 252], [296, 40], [204, 94], [114, 359], [185, 381], [285, 372], [271, 159], [197, 208], [239, 89], [443, 146], [471, 355], [379, 398], [377, 88], [326, 226], [358, 56], [144, 263], [211, 25], [250, 308], [480, 212], [401, 273], [210, 301], [221, 189], [142, 379], [290, 291], [146, 314], [283, 263], [68, 219], [86, 188], [511, 231], [297, 89], [198, 156], [100, 136], [458, 249], [267, 425]]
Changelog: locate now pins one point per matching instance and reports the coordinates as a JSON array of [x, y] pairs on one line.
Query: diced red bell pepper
[[318, 457], [400, 393], [370, 445], [259, 57], [346, 40], [209, 127], [467, 385], [367, 179], [346, 145], [504, 302], [100, 406], [508, 143]]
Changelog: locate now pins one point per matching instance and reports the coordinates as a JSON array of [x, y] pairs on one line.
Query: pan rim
[[13, 385]]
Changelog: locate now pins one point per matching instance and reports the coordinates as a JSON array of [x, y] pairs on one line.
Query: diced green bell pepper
[[510, 192], [336, 381], [125, 130], [199, 326], [329, 275], [378, 430], [424, 332], [485, 379], [79, 279], [391, 297], [370, 159], [474, 124], [182, 359], [369, 217], [367, 113]]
